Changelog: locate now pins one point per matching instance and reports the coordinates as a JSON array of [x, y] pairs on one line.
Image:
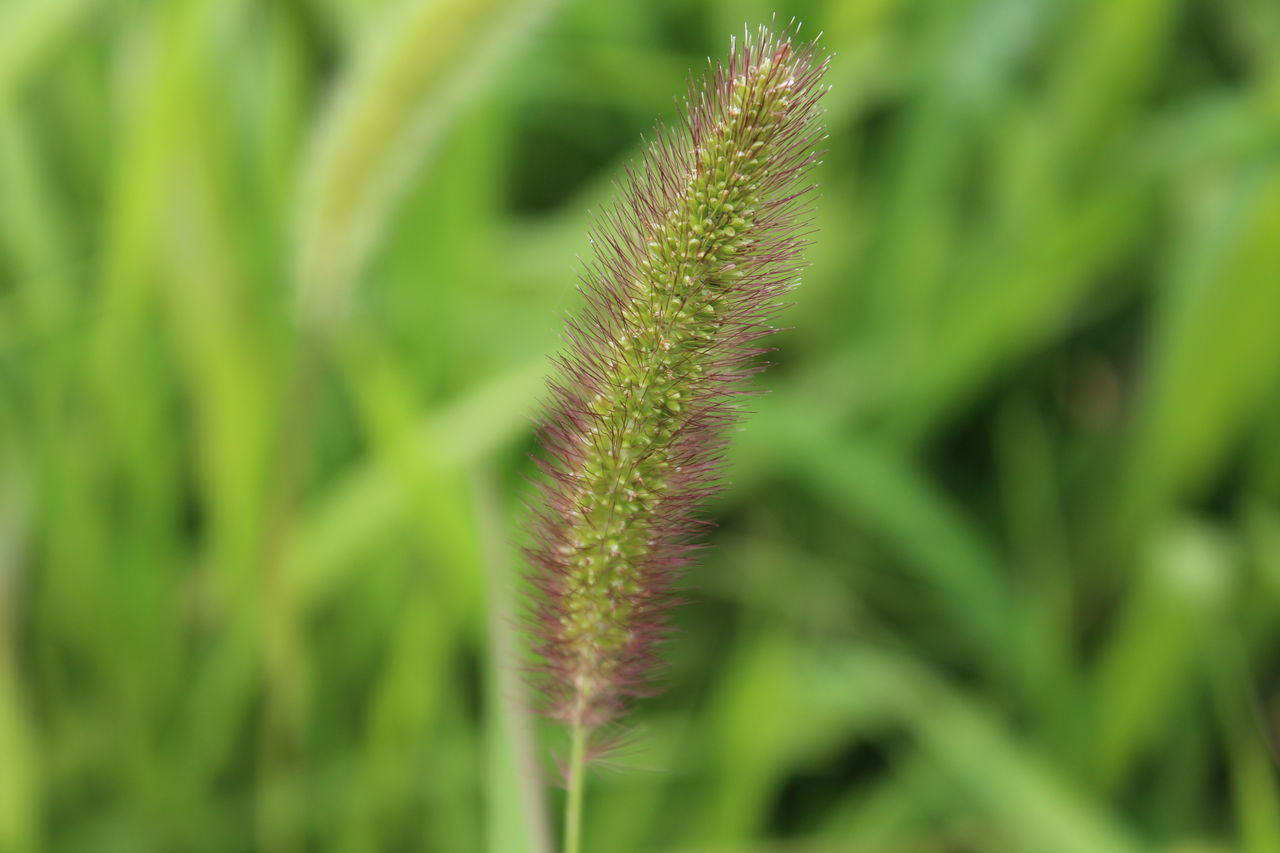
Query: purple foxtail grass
[[688, 271]]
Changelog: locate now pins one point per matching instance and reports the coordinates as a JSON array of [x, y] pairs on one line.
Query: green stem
[[282, 719], [573, 802]]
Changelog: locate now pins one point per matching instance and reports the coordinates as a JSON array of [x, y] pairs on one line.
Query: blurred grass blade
[[1045, 608], [1013, 297], [414, 68], [880, 487], [1149, 664], [1214, 351], [20, 782], [516, 819], [32, 30], [33, 226], [411, 691], [372, 501], [757, 704], [1109, 63], [1030, 804], [1251, 752], [890, 816]]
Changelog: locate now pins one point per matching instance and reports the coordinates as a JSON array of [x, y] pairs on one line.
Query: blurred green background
[[999, 565]]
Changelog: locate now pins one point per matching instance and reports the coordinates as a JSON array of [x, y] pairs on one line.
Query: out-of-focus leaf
[[414, 69], [372, 500], [1150, 662], [1213, 351], [875, 485], [516, 817], [1028, 802], [20, 750], [30, 31]]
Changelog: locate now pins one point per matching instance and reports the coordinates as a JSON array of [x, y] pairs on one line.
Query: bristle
[[688, 270]]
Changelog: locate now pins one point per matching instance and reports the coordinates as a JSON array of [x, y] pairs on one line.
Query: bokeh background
[[999, 565]]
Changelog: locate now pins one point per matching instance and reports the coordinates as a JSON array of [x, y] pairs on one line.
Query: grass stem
[[573, 802]]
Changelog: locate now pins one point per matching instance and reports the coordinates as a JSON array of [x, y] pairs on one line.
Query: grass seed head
[[688, 268]]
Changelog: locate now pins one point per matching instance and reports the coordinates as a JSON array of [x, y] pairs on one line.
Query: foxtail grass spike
[[688, 271]]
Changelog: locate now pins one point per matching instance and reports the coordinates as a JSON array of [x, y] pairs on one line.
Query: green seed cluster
[[658, 357], [688, 269]]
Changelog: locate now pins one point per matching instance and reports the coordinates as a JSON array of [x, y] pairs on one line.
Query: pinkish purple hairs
[[688, 271]]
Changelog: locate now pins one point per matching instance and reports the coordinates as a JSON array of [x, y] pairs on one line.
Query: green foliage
[[999, 565]]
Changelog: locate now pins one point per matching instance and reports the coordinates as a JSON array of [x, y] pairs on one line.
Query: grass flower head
[[688, 270]]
